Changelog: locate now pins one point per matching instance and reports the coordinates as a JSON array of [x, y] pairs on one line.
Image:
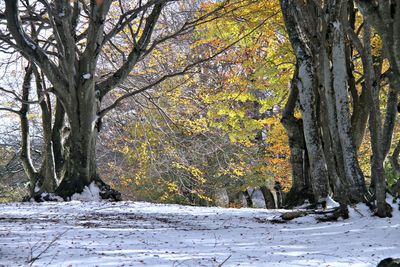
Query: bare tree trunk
[[390, 120], [297, 23], [44, 180], [247, 197], [377, 170], [294, 129], [81, 162], [47, 172], [268, 198], [25, 139], [58, 138], [319, 172], [332, 146], [359, 119], [354, 175]]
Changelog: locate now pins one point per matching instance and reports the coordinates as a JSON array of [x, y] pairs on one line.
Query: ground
[[143, 234]]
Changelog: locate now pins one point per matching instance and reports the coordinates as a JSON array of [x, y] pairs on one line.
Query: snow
[[144, 234], [331, 204], [37, 188], [86, 76], [91, 193], [94, 122], [336, 25]]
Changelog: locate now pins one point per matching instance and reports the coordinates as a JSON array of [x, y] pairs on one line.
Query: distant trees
[[217, 127]]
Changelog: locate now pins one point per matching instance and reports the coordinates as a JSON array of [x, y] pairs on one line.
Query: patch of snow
[[336, 25], [331, 204], [89, 193], [61, 14], [306, 204], [94, 122], [86, 76], [145, 234], [37, 188]]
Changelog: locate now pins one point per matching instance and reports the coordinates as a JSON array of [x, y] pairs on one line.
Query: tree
[[325, 38], [78, 34]]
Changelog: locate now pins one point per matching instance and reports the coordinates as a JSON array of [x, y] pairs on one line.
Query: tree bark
[[294, 128], [25, 139], [319, 173], [81, 162], [377, 170], [47, 172], [58, 138], [354, 175], [268, 198]]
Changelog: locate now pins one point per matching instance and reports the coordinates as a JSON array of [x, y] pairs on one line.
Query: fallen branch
[[222, 263], [33, 259]]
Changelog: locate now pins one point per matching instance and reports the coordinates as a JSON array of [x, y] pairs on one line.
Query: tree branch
[[30, 49], [178, 73]]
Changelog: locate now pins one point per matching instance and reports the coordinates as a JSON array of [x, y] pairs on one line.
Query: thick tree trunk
[[354, 175], [80, 167], [299, 24], [81, 159], [328, 121], [307, 89]]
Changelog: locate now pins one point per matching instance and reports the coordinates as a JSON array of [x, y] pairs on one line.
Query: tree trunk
[[332, 146], [80, 166], [394, 158], [58, 139], [294, 128], [359, 119], [390, 120], [25, 139], [299, 24], [354, 175], [47, 172], [375, 125], [307, 89], [268, 197], [247, 196]]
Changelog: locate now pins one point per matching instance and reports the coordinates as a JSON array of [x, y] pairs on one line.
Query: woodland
[[201, 102]]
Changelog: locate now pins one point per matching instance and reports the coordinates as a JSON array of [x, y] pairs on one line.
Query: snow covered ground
[[144, 234]]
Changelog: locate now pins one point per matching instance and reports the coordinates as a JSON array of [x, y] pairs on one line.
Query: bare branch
[[178, 73]]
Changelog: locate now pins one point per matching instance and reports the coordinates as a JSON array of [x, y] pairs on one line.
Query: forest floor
[[143, 234]]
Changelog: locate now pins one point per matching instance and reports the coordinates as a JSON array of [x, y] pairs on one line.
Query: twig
[[32, 260], [222, 263]]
